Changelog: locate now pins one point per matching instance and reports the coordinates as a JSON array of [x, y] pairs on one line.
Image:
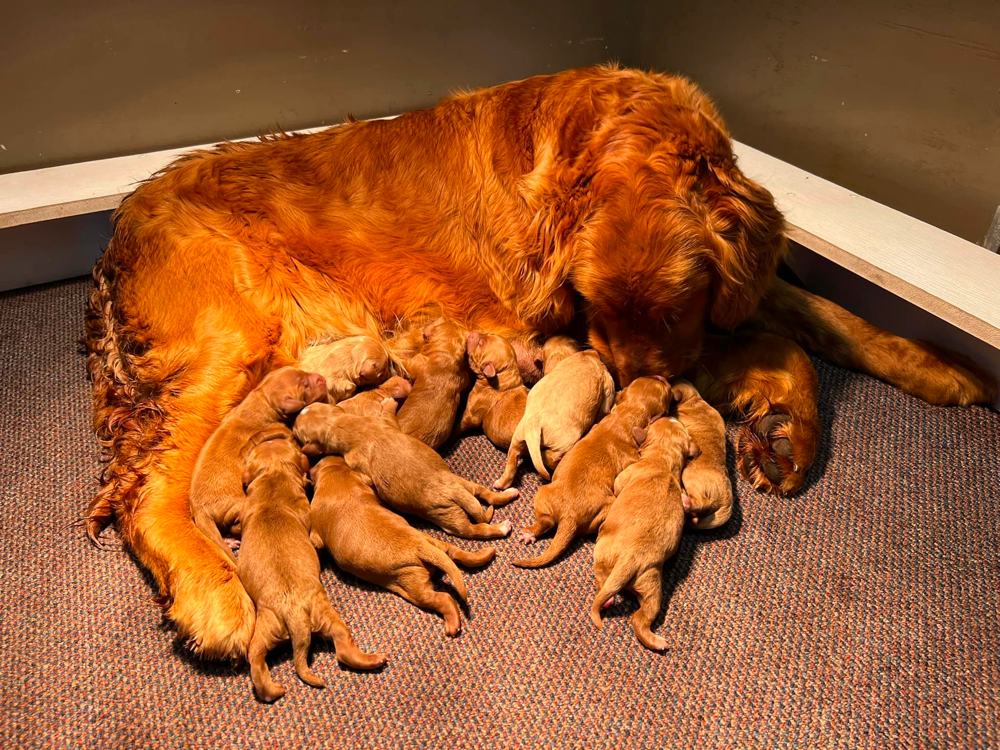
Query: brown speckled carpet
[[862, 613]]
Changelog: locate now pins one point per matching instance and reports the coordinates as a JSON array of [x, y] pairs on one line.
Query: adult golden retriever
[[603, 196]]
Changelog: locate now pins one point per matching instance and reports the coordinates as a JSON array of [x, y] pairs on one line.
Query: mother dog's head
[[673, 236]]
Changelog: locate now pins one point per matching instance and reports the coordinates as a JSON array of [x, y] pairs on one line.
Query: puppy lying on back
[[371, 403], [708, 492], [347, 364], [408, 475], [497, 399], [216, 486], [575, 392], [280, 568], [643, 527], [583, 486], [440, 377], [378, 546]]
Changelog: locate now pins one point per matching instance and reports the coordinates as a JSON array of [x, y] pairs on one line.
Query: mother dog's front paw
[[769, 455]]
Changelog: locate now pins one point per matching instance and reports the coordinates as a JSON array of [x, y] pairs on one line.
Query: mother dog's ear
[[745, 232]]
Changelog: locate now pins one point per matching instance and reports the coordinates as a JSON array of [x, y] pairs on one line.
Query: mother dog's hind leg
[[771, 384]]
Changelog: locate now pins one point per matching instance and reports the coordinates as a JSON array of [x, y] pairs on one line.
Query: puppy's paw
[[770, 458], [505, 527], [526, 537]]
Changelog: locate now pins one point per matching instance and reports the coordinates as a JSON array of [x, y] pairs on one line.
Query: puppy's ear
[[639, 435], [490, 370], [247, 477], [692, 449], [291, 404], [619, 396]]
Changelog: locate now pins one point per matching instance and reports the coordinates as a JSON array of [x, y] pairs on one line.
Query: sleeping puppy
[[708, 492], [380, 547], [347, 363], [643, 527], [575, 392], [583, 486], [409, 476], [371, 403], [216, 485], [279, 566], [440, 377], [497, 399]]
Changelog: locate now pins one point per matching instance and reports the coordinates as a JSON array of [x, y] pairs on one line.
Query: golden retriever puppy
[[573, 394], [583, 486], [380, 547], [347, 364], [643, 527], [498, 397], [440, 376], [280, 568], [216, 487], [409, 476], [707, 489]]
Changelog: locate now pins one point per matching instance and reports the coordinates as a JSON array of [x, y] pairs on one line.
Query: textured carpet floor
[[863, 613]]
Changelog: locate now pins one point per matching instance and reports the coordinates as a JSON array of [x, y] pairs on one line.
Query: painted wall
[[90, 80], [898, 100]]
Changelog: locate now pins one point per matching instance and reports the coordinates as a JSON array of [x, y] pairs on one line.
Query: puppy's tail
[[533, 439], [565, 533], [620, 575], [431, 555], [300, 631]]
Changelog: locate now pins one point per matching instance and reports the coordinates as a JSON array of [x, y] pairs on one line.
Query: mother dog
[[605, 198]]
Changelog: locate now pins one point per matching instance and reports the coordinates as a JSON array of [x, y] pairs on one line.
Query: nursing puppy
[[380, 547], [708, 492], [372, 403], [643, 527], [279, 567], [498, 397], [408, 475], [347, 363], [575, 392], [216, 486], [583, 486], [440, 378]]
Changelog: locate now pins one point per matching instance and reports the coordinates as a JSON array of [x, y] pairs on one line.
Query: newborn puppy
[[347, 364], [583, 487], [708, 492], [407, 474], [279, 567], [378, 546], [440, 377], [497, 399], [575, 392], [372, 403], [643, 527], [216, 486]]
